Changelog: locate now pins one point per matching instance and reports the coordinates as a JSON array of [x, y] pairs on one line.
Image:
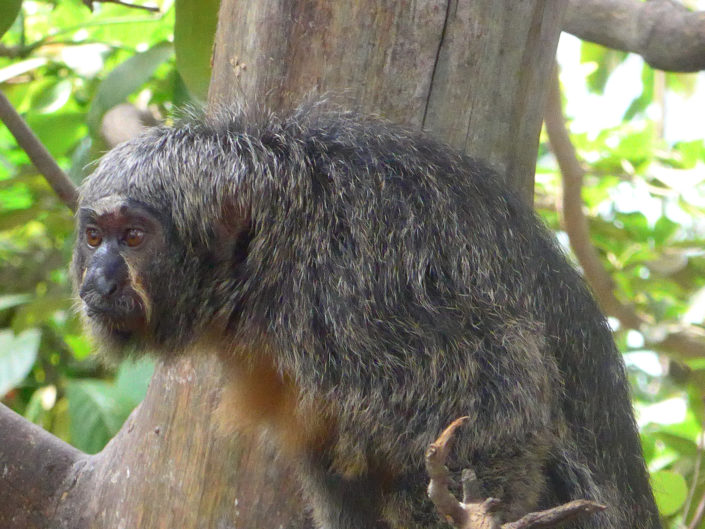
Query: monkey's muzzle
[[123, 312]]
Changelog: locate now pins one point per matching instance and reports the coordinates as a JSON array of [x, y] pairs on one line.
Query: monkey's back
[[401, 282], [414, 288]]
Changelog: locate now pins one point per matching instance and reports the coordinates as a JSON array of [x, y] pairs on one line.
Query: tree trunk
[[472, 73]]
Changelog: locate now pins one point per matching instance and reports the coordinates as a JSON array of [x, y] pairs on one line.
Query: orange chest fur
[[259, 398]]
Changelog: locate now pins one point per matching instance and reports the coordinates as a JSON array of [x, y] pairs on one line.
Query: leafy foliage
[[644, 193], [64, 67]]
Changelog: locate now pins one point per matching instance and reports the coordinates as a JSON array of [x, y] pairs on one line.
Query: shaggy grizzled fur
[[401, 281]]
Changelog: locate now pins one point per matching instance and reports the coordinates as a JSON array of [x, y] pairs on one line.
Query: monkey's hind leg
[[341, 502]]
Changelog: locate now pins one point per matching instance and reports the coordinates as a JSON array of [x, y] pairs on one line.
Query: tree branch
[[33, 468], [664, 32], [13, 52], [684, 341], [41, 158]]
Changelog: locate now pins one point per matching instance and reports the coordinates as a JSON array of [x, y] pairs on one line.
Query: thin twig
[[89, 4], [699, 514], [39, 155], [696, 470], [23, 51]]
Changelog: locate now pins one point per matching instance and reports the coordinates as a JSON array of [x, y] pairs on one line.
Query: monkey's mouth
[[124, 314]]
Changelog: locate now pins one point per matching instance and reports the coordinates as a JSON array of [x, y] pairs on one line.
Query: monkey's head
[[152, 263], [119, 242]]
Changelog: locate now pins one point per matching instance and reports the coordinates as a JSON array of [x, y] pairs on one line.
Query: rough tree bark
[[667, 34], [473, 73]]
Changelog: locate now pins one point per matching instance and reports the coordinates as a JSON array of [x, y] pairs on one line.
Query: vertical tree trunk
[[473, 73]]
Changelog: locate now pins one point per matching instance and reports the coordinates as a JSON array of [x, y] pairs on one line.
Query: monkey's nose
[[106, 286]]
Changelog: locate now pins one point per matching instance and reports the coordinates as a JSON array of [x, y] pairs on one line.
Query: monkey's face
[[118, 243]]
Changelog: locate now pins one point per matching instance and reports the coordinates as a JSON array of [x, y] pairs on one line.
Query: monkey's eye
[[134, 237], [93, 237]]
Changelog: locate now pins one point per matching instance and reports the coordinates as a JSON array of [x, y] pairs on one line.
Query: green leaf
[[670, 490], [51, 96], [696, 364], [642, 101], [680, 444], [194, 32], [663, 229], [127, 77], [97, 412], [132, 379], [9, 9], [691, 152], [648, 445], [58, 132], [17, 356], [98, 409], [606, 61], [79, 345], [16, 197]]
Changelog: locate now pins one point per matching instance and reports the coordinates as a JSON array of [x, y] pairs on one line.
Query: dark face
[[117, 243]]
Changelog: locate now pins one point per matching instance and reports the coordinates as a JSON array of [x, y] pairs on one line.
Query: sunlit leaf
[[697, 364], [670, 490], [194, 32], [690, 428], [17, 356], [691, 152], [14, 198], [79, 345], [637, 146], [605, 60], [648, 445], [51, 96], [663, 229], [682, 445], [643, 100], [682, 83]]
